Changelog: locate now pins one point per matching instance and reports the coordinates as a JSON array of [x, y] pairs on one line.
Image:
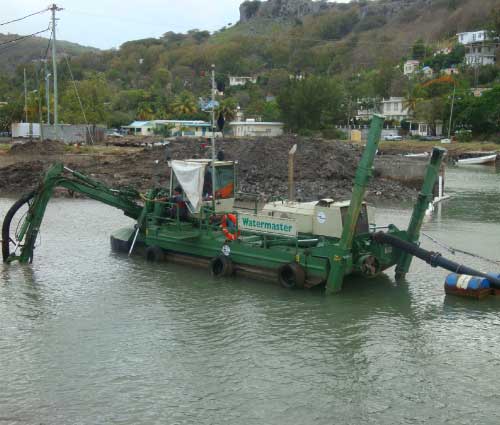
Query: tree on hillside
[[271, 111], [413, 96], [227, 108], [199, 36], [145, 111], [495, 21], [12, 112], [184, 104], [418, 50], [481, 114], [93, 93], [312, 104], [382, 80], [431, 111], [442, 61], [129, 100]]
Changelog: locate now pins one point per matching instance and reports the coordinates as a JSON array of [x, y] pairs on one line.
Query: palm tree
[[227, 108], [145, 111], [184, 104], [412, 98]]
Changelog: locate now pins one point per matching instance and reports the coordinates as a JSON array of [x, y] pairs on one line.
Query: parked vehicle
[[393, 137]]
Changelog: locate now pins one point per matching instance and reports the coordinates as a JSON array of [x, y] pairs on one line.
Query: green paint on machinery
[[297, 244]]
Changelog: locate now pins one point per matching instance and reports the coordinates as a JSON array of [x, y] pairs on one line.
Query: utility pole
[[54, 9], [47, 89], [39, 93], [451, 110], [213, 138], [25, 98]]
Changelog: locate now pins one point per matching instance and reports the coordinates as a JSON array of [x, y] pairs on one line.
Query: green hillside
[[27, 50], [355, 50]]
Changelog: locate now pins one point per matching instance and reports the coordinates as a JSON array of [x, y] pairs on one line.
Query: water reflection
[[89, 336]]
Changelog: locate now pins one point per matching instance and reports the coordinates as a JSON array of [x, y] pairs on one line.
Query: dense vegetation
[[313, 71]]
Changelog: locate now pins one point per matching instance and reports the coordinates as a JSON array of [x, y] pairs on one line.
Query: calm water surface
[[91, 337]]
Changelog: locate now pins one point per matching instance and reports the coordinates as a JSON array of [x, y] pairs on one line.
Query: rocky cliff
[[286, 9], [289, 9]]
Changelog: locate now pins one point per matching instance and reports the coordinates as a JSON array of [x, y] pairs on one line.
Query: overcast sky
[[109, 23]]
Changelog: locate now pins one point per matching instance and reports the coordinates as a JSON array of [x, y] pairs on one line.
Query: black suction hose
[[435, 259], [8, 220]]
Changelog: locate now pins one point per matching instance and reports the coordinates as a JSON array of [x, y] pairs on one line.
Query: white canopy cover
[[190, 176]]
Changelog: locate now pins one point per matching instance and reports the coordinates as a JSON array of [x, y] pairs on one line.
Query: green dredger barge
[[296, 244]]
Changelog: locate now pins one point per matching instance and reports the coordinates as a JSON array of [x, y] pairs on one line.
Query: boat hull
[[488, 159]]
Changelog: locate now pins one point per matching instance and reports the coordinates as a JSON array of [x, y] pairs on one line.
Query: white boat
[[478, 160], [417, 155]]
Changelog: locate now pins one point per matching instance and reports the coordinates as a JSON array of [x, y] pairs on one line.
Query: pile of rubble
[[322, 168]]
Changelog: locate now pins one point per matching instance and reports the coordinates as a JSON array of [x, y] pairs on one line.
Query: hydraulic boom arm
[[58, 176]]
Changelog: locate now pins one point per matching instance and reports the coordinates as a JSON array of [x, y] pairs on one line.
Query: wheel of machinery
[[221, 266], [291, 275], [155, 254]]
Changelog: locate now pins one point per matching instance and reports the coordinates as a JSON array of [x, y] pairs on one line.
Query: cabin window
[[224, 182]]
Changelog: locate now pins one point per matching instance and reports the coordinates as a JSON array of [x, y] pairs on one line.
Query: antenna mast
[[213, 137]]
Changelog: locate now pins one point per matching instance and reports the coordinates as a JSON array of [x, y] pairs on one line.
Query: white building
[[427, 71], [479, 47], [241, 81], [25, 129], [466, 38], [252, 128], [393, 109], [366, 109], [425, 129], [139, 128], [480, 55], [411, 67], [178, 128]]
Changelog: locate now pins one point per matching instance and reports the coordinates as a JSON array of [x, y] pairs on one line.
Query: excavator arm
[[58, 176]]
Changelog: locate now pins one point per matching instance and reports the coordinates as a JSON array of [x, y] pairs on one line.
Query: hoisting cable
[[78, 97], [454, 251]]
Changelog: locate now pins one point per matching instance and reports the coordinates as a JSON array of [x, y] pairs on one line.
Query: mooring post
[[342, 260], [291, 180], [417, 217]]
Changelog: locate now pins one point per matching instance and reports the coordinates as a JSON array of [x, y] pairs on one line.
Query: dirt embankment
[[322, 168]]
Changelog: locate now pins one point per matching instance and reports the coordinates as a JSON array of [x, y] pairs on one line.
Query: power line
[[78, 97], [24, 37], [48, 45], [24, 17]]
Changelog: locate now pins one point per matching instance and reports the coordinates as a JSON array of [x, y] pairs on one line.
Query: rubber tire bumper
[[221, 266], [154, 254], [291, 275], [7, 221]]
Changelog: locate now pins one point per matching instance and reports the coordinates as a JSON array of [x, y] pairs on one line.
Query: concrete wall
[[25, 129], [364, 131], [409, 171], [73, 133], [248, 129]]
